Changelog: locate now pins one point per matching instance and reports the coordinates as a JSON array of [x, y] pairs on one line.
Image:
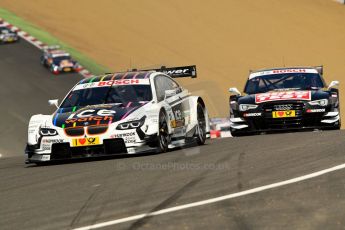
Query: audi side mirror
[[235, 91], [54, 102], [333, 84]]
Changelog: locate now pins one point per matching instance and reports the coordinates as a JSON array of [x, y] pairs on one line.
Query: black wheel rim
[[201, 123], [163, 132]]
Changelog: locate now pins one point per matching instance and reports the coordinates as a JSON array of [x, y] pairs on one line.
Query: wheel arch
[[195, 100], [163, 110]]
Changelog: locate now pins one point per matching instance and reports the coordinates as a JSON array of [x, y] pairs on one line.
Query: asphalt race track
[[77, 194], [25, 88]]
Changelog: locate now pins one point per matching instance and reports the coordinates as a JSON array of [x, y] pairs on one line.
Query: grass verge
[[49, 39]]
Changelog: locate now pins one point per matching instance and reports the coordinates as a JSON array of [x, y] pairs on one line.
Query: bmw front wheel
[[163, 133]]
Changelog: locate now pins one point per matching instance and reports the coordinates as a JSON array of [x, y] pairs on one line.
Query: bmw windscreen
[[115, 94]]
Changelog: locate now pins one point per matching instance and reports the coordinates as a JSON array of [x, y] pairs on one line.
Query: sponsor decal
[[178, 114], [282, 114], [113, 82], [282, 107], [316, 110], [131, 150], [87, 119], [179, 131], [121, 135], [66, 63], [127, 137], [252, 114], [176, 71], [176, 123], [289, 71], [91, 112], [44, 157], [281, 71], [85, 141], [90, 115], [281, 96], [51, 141]]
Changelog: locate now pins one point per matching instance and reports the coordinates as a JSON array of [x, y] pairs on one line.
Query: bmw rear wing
[[177, 72]]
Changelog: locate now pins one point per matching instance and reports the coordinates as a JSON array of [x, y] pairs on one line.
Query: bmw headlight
[[131, 124], [245, 107], [322, 102], [48, 132]]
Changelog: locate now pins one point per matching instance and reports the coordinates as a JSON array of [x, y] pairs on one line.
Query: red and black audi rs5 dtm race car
[[285, 99]]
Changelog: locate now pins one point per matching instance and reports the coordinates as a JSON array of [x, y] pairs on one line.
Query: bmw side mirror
[[169, 93], [54, 102], [333, 84], [235, 91]]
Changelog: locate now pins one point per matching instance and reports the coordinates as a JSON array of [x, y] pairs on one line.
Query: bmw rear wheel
[[201, 126]]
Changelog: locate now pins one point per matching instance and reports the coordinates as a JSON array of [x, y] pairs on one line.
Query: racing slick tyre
[[236, 133], [56, 72], [43, 62], [163, 133], [201, 126], [337, 126]]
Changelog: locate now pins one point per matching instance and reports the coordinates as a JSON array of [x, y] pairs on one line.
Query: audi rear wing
[[177, 72], [319, 69]]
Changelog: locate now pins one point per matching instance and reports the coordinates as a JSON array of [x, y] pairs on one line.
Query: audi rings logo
[[283, 107]]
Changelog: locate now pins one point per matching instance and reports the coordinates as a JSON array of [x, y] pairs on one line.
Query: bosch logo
[[283, 107]]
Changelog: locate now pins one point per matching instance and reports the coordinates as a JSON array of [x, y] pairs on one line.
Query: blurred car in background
[[7, 35], [59, 61]]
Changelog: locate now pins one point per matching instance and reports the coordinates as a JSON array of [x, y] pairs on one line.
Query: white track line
[[214, 200]]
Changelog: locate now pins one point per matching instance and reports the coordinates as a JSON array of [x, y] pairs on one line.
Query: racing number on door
[[178, 120], [178, 114]]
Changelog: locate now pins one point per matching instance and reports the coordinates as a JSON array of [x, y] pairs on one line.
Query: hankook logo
[[282, 107]]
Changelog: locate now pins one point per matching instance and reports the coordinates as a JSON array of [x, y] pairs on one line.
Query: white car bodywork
[[178, 104]]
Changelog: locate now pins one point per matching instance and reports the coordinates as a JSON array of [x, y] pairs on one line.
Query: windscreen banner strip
[[281, 71], [112, 82]]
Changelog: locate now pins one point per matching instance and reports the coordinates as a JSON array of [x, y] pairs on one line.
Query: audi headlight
[[322, 102], [131, 124], [245, 107], [48, 132]]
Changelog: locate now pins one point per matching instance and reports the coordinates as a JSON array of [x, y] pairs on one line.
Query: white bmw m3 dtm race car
[[120, 113]]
